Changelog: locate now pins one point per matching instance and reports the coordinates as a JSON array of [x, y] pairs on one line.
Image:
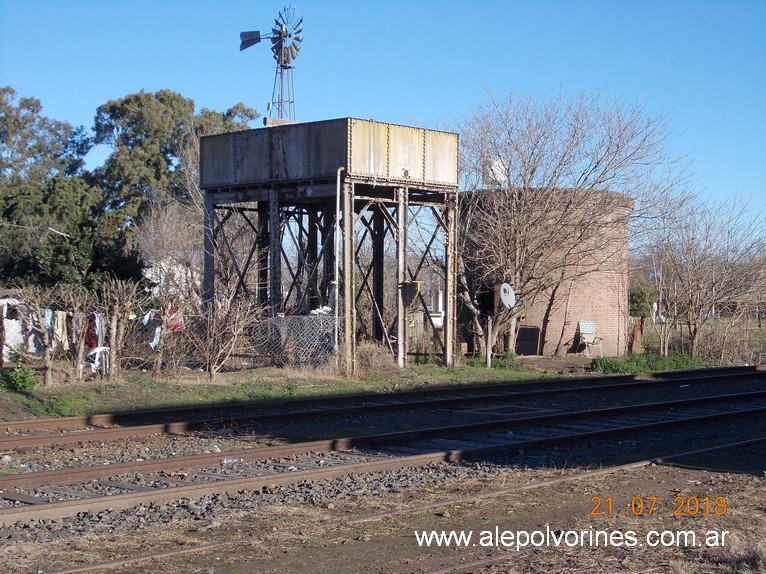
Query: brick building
[[595, 287]]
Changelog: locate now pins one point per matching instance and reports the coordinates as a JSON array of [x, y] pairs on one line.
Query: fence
[[302, 341]]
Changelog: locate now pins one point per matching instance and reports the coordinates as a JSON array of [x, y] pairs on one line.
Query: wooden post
[[489, 342]]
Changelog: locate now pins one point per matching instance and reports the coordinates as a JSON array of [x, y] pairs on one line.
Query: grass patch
[[648, 363], [55, 407], [144, 392]]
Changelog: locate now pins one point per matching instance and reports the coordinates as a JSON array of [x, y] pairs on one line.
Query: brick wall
[[595, 285], [597, 291]]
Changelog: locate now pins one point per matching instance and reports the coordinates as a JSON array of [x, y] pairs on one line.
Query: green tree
[[149, 134], [144, 131], [34, 148], [61, 223], [642, 296], [47, 208], [57, 234]]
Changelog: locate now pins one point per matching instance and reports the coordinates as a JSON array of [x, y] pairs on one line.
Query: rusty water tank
[[310, 153]]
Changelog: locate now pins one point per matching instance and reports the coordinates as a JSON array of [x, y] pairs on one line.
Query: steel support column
[[401, 274], [378, 261], [208, 262], [349, 309], [450, 279], [275, 255], [262, 273]]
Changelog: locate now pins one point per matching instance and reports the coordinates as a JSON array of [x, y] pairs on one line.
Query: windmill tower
[[286, 40]]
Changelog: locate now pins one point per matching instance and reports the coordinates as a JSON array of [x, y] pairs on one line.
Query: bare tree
[[119, 299], [546, 182], [708, 260], [78, 302], [38, 316], [218, 330], [170, 241]]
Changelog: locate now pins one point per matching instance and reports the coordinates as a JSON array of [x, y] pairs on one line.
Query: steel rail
[[233, 485], [57, 510], [408, 509], [384, 403], [80, 474], [309, 404]]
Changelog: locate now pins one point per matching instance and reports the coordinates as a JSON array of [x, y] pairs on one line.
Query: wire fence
[[169, 342], [298, 341]]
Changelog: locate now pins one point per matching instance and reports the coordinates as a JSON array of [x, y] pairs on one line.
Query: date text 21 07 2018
[[647, 506]]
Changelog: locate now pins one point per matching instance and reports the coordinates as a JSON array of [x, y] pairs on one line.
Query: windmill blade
[[297, 45], [247, 39], [293, 51]]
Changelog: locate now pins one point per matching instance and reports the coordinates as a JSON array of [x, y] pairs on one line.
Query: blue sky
[[428, 63]]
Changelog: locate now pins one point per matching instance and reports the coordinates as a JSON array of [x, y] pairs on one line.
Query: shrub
[[609, 366], [19, 380], [648, 363], [505, 362]]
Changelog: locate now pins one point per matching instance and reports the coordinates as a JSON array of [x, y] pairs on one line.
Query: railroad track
[[105, 427], [57, 494], [155, 557]]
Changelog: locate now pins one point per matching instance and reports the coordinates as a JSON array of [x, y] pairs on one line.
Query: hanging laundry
[[174, 319], [49, 323], [153, 319], [60, 334]]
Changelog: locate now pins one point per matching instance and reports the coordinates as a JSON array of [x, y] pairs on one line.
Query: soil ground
[[728, 537]]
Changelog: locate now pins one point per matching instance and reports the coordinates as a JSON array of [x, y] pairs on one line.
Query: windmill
[[286, 39]]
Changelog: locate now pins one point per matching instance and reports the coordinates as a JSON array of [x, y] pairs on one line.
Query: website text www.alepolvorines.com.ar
[[591, 538]]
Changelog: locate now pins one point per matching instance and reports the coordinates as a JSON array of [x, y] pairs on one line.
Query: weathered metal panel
[[441, 157], [328, 147], [215, 160], [251, 157], [369, 150], [405, 150], [288, 146]]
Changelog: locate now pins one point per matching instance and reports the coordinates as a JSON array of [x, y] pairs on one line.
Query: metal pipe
[[336, 266]]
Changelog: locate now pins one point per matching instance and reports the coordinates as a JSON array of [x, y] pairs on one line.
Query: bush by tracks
[[18, 380], [648, 363], [506, 362]]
